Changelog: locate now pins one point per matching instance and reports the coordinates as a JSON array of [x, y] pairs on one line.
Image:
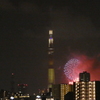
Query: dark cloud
[[6, 5], [29, 8], [19, 6], [72, 26]]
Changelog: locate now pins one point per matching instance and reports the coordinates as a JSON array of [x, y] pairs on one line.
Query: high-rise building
[[60, 90], [87, 90], [85, 77], [51, 72]]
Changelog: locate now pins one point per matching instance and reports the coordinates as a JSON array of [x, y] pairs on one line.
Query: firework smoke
[[81, 63]]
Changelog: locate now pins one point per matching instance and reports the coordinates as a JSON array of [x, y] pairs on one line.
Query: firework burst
[[71, 69]]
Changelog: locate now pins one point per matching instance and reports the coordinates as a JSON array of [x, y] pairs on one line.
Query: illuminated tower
[[51, 72]]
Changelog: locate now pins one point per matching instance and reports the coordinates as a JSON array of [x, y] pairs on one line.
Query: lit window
[[83, 88], [83, 95]]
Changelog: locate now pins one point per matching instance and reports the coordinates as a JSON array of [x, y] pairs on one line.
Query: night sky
[[24, 26]]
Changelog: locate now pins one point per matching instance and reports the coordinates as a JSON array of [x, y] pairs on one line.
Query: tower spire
[[12, 83]]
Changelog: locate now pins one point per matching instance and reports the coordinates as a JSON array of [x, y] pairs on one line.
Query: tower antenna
[[12, 83]]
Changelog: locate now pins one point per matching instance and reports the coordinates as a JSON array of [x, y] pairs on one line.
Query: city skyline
[[24, 38]]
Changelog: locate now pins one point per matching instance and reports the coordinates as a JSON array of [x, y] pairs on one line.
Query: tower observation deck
[[51, 72]]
